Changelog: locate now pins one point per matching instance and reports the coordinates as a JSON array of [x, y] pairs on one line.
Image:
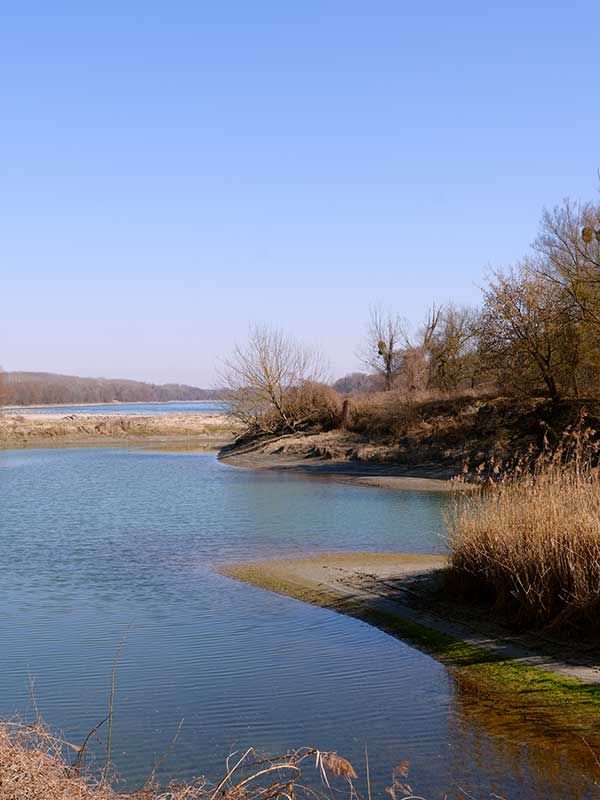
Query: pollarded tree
[[385, 341]]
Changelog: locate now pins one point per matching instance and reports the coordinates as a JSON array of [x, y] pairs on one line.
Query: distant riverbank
[[117, 407], [187, 431]]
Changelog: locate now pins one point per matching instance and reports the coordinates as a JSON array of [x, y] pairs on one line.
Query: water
[[187, 407], [97, 542]]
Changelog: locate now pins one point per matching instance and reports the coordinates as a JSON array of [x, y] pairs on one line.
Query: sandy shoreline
[[389, 588], [541, 688]]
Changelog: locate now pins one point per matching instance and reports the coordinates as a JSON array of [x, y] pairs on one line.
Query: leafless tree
[[568, 250], [385, 340], [451, 345], [271, 379], [413, 359], [529, 335]]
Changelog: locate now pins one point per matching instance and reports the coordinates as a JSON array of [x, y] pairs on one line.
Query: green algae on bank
[[536, 695]]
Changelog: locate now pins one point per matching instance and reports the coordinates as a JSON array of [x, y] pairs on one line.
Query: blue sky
[[171, 172]]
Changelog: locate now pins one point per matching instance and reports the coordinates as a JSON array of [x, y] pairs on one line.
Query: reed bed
[[529, 541]]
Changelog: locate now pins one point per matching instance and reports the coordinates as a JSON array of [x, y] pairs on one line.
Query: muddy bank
[[304, 454], [188, 431], [402, 594]]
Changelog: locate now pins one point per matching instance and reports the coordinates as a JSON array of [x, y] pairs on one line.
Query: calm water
[[199, 407], [98, 541]]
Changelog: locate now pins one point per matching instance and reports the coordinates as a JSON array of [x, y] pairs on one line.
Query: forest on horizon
[[46, 388]]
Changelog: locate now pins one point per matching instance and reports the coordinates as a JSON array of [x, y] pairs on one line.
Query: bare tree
[[269, 378], [414, 358], [386, 337], [529, 334], [568, 250], [452, 347]]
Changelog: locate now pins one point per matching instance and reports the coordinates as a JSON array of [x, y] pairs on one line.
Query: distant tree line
[[44, 388]]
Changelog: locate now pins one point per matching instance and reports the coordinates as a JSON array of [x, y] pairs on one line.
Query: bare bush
[[268, 381], [314, 403]]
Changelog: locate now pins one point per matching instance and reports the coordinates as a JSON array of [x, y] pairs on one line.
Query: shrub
[[313, 404]]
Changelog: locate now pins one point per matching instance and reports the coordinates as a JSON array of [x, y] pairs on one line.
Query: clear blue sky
[[171, 171]]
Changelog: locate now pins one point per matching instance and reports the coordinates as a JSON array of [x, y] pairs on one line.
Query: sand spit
[[398, 591]]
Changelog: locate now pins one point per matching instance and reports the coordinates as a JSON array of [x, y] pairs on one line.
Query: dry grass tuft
[[32, 767], [35, 764], [529, 541]]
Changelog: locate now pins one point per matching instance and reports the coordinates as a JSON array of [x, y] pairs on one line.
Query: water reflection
[[543, 760]]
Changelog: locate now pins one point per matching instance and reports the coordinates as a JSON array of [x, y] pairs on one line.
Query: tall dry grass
[[529, 540]]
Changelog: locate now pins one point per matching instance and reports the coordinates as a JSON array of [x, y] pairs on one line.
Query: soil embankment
[[303, 454], [434, 439]]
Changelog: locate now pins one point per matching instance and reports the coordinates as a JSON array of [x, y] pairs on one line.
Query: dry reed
[[529, 541], [36, 764]]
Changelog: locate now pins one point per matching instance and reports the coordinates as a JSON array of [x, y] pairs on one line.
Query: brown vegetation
[[504, 381], [275, 384], [22, 430], [529, 542], [35, 765], [532, 351]]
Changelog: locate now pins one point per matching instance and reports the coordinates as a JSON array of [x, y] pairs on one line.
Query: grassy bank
[[527, 543], [441, 432]]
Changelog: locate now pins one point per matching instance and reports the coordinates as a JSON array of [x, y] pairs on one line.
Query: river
[[104, 543]]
